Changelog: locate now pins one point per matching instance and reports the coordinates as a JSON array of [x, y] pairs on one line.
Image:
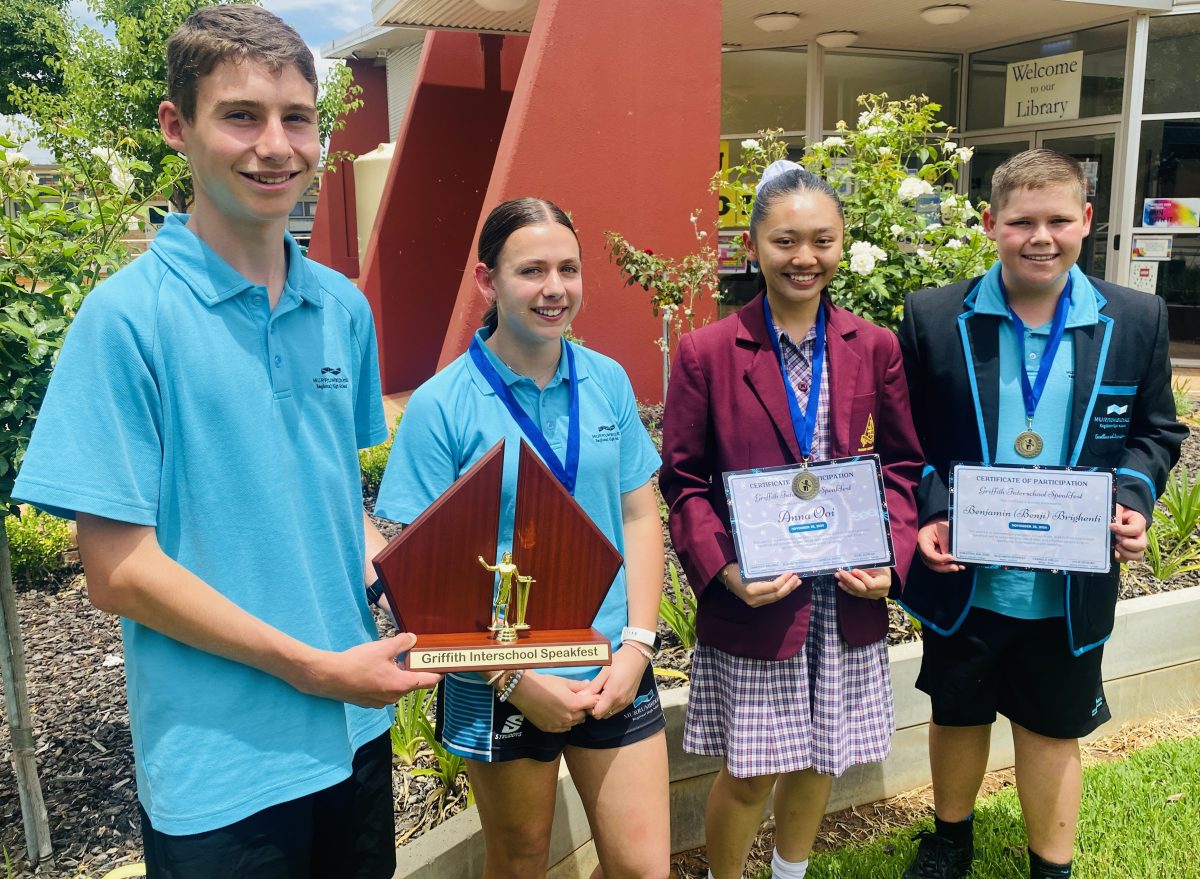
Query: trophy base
[[480, 651]]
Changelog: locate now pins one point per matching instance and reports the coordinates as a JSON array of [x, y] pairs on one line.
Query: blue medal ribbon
[[567, 472], [804, 424], [1033, 393]]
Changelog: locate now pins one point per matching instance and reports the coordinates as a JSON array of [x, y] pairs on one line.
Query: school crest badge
[[866, 442]]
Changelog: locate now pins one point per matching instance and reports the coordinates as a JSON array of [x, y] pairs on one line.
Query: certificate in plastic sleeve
[[1032, 518], [779, 529]]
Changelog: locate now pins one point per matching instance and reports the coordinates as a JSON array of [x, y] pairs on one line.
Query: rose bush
[[906, 228]]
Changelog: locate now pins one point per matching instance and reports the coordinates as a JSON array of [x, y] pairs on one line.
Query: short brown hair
[[1037, 169], [235, 32]]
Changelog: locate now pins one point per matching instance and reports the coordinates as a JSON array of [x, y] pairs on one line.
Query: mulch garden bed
[[77, 693]]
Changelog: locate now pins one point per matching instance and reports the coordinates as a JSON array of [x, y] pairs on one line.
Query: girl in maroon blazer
[[790, 676]]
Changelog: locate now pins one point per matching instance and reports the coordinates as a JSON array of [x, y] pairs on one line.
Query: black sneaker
[[939, 858]]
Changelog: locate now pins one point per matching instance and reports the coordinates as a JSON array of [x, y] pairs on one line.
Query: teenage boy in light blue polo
[[202, 426]]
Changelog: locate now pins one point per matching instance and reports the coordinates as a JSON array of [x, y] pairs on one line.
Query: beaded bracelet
[[640, 648], [511, 685]]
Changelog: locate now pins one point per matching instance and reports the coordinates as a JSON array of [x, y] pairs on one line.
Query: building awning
[[883, 24]]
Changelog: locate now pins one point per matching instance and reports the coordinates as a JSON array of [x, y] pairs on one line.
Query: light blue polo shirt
[[1031, 594], [183, 402], [453, 419]]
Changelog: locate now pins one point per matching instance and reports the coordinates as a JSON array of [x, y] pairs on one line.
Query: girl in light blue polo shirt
[[522, 380]]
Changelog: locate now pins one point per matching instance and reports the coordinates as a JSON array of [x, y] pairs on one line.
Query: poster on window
[[1171, 212], [1144, 276]]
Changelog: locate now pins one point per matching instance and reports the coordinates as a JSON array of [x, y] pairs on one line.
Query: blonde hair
[[236, 32], [1037, 169]]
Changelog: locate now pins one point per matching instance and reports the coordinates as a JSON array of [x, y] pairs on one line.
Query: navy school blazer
[[726, 409], [952, 359]]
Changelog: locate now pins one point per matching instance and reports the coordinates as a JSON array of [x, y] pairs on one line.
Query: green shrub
[[373, 461], [36, 543], [677, 607]]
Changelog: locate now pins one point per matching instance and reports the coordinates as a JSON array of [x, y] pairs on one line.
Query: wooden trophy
[[440, 575]]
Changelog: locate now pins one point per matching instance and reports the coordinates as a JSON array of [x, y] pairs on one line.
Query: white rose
[[924, 254], [873, 130], [965, 153], [749, 144], [879, 253], [954, 244], [18, 159], [885, 151], [121, 178], [862, 263], [864, 118], [912, 187], [833, 142], [949, 146], [932, 226], [858, 247], [898, 230]]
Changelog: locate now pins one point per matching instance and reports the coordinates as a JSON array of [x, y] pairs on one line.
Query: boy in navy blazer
[[1096, 392]]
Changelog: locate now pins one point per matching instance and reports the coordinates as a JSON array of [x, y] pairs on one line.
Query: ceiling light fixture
[[945, 13], [501, 5], [837, 39], [774, 22]]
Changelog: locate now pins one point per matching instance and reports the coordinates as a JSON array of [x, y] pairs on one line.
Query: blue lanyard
[[1033, 393], [805, 425], [566, 473]]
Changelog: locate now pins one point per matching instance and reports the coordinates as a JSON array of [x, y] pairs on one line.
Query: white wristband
[[642, 636]]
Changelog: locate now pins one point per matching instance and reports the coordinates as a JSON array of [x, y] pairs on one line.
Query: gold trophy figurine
[[502, 625]]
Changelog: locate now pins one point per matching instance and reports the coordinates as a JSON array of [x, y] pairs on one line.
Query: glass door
[[990, 153], [1095, 148]]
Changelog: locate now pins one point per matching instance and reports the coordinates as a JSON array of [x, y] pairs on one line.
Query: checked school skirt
[[828, 708]]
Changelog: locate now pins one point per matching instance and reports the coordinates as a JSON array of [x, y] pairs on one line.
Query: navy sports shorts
[[475, 724]]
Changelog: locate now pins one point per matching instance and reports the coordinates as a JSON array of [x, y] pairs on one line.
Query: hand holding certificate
[[809, 520], [1036, 518]]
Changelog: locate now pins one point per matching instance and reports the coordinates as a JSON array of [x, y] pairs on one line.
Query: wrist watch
[[646, 637], [375, 592]]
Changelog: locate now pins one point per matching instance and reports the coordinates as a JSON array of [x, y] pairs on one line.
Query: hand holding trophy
[[554, 542]]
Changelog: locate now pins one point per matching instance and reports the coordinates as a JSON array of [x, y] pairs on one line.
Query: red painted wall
[[616, 118], [445, 149], [335, 231]]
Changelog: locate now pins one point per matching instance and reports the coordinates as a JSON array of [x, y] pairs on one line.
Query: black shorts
[[512, 737], [345, 830], [1022, 669]]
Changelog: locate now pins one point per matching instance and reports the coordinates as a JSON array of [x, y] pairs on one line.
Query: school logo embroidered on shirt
[[606, 433], [866, 442], [331, 379], [1114, 409]]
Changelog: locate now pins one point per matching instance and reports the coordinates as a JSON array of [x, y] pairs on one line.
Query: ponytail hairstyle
[[503, 221]]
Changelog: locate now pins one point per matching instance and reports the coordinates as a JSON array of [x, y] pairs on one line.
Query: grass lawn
[[1140, 820]]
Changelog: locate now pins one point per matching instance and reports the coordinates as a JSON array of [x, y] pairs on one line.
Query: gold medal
[[1028, 444], [805, 485]]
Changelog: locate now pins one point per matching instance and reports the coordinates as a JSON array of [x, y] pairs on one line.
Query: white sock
[[781, 869]]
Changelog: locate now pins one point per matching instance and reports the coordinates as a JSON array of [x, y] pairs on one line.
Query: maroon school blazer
[[726, 409]]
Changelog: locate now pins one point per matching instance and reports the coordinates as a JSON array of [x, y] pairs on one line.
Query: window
[[1168, 162], [1171, 53], [763, 88], [1103, 73], [848, 75]]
